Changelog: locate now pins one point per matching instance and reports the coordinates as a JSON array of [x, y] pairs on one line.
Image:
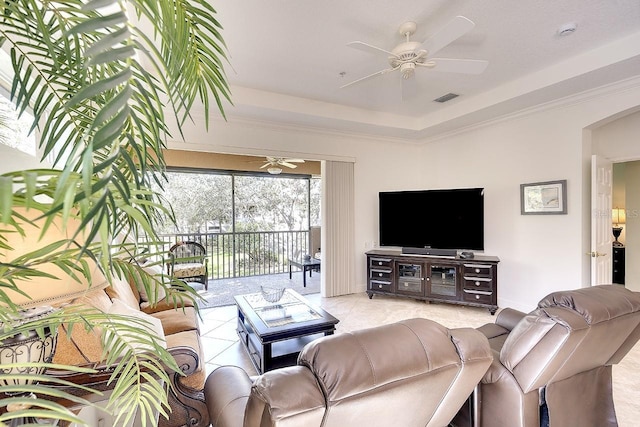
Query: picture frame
[[544, 198]]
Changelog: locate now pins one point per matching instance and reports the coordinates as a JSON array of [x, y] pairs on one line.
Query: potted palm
[[99, 77]]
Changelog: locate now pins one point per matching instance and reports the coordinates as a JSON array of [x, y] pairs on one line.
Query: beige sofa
[[553, 365], [181, 329], [413, 373]]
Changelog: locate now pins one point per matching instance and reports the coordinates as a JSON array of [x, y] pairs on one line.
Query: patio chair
[[189, 261]]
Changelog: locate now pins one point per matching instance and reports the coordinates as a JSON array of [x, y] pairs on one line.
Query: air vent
[[447, 97]]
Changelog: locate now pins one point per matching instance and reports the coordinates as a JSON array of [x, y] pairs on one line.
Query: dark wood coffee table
[[274, 333]]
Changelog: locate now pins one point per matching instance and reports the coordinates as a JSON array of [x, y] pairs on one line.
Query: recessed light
[[567, 29]]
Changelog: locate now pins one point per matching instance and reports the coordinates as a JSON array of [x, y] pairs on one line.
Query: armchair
[[552, 367], [189, 261], [411, 373]]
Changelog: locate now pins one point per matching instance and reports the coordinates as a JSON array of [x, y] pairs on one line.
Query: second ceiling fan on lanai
[[274, 164]]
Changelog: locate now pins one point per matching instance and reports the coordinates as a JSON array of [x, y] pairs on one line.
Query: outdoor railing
[[247, 253]]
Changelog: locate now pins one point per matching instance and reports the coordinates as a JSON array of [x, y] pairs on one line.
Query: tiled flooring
[[222, 347]]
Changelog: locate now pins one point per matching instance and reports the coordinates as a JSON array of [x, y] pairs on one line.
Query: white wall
[[539, 253], [379, 165], [618, 139], [15, 160]]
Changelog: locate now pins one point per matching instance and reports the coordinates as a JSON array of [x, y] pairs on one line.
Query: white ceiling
[[286, 57]]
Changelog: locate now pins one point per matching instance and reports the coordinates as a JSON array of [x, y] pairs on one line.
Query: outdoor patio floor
[[221, 291]]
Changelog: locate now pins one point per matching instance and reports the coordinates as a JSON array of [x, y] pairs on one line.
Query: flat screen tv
[[440, 219]]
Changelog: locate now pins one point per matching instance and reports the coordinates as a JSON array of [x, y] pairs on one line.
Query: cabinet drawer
[[380, 285], [477, 270], [410, 286], [381, 263], [380, 274], [480, 297], [477, 283]]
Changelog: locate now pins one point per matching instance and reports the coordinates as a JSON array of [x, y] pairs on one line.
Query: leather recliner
[[553, 366], [413, 373]]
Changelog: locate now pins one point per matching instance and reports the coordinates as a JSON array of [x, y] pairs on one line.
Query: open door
[[601, 236]]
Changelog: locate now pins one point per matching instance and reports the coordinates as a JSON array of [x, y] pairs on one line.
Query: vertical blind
[[337, 229]]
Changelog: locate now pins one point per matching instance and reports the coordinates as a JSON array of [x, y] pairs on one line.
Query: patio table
[[305, 265]]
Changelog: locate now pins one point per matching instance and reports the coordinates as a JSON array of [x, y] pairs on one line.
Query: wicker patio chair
[[189, 261]]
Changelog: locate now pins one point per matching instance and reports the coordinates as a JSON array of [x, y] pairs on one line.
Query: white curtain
[[338, 273]]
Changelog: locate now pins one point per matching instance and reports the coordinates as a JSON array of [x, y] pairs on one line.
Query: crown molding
[[567, 101]]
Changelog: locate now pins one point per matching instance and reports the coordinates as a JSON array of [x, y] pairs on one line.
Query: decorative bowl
[[272, 293]]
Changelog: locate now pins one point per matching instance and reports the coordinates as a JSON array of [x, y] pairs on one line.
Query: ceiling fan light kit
[[409, 55]]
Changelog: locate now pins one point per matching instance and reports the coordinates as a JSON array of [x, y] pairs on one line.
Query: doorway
[[626, 209], [616, 139]]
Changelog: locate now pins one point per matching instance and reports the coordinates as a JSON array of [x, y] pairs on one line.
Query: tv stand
[[434, 278]]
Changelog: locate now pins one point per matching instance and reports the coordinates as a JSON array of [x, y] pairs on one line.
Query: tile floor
[[222, 347]]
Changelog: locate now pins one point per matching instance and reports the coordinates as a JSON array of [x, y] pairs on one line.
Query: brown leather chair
[[553, 365], [413, 373]]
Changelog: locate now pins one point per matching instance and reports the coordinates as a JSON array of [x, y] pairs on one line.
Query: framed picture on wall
[[544, 198]]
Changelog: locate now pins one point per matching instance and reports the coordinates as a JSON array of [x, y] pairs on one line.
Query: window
[[201, 202], [14, 129], [206, 202]]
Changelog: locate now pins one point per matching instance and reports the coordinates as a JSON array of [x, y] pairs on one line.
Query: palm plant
[[98, 76]]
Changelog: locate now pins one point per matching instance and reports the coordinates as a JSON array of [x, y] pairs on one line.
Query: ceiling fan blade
[[462, 66], [455, 29], [377, 73], [293, 160], [265, 165], [366, 47], [287, 164]]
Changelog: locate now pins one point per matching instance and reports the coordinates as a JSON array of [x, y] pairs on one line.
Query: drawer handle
[[477, 283], [406, 285], [477, 296], [477, 270], [380, 286], [477, 279], [379, 262], [478, 266], [379, 274], [471, 291]]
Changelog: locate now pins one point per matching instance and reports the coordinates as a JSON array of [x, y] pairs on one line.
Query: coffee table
[[274, 333], [305, 265]]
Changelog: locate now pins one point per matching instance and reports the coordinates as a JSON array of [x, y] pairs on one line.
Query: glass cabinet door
[[410, 279], [443, 280]]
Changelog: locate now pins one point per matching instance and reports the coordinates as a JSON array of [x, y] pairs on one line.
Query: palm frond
[[100, 115]]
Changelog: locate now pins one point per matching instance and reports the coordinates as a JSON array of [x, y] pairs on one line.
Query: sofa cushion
[[165, 304], [596, 303], [178, 320], [190, 269], [421, 344]]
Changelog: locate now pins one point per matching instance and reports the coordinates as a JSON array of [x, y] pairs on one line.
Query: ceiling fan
[[274, 164], [411, 55]]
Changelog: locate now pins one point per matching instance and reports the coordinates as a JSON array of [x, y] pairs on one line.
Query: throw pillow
[[158, 293], [151, 326]]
